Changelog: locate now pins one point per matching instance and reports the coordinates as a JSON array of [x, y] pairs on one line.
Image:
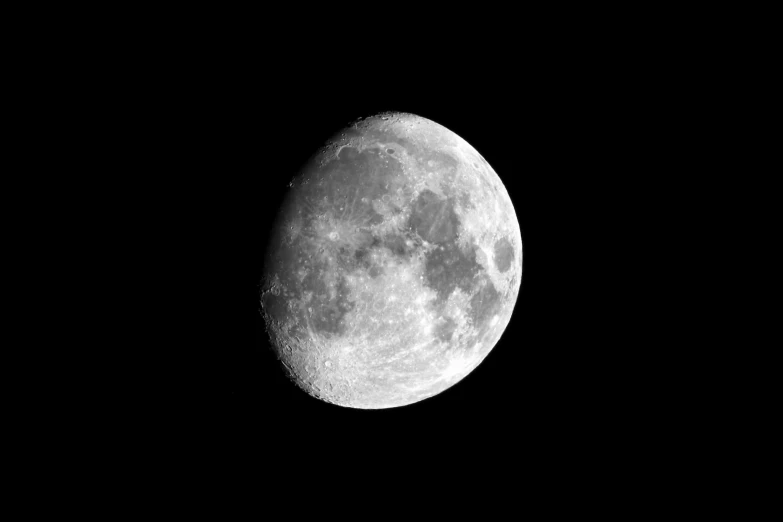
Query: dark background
[[171, 142], [212, 150], [171, 147]]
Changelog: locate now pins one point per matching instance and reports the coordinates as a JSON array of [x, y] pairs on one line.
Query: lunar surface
[[394, 264]]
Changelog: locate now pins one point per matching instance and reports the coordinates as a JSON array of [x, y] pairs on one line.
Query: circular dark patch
[[390, 151]]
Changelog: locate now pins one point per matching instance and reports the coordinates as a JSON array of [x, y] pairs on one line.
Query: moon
[[393, 267]]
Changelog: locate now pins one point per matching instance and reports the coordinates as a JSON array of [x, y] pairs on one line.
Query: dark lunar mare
[[433, 218], [504, 254], [484, 305], [449, 266]]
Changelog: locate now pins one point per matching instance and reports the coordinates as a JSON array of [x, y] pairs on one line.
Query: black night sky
[[225, 142], [173, 142]]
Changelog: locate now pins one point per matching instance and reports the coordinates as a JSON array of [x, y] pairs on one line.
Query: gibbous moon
[[394, 264]]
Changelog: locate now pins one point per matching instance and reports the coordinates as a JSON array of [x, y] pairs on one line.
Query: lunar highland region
[[393, 267]]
